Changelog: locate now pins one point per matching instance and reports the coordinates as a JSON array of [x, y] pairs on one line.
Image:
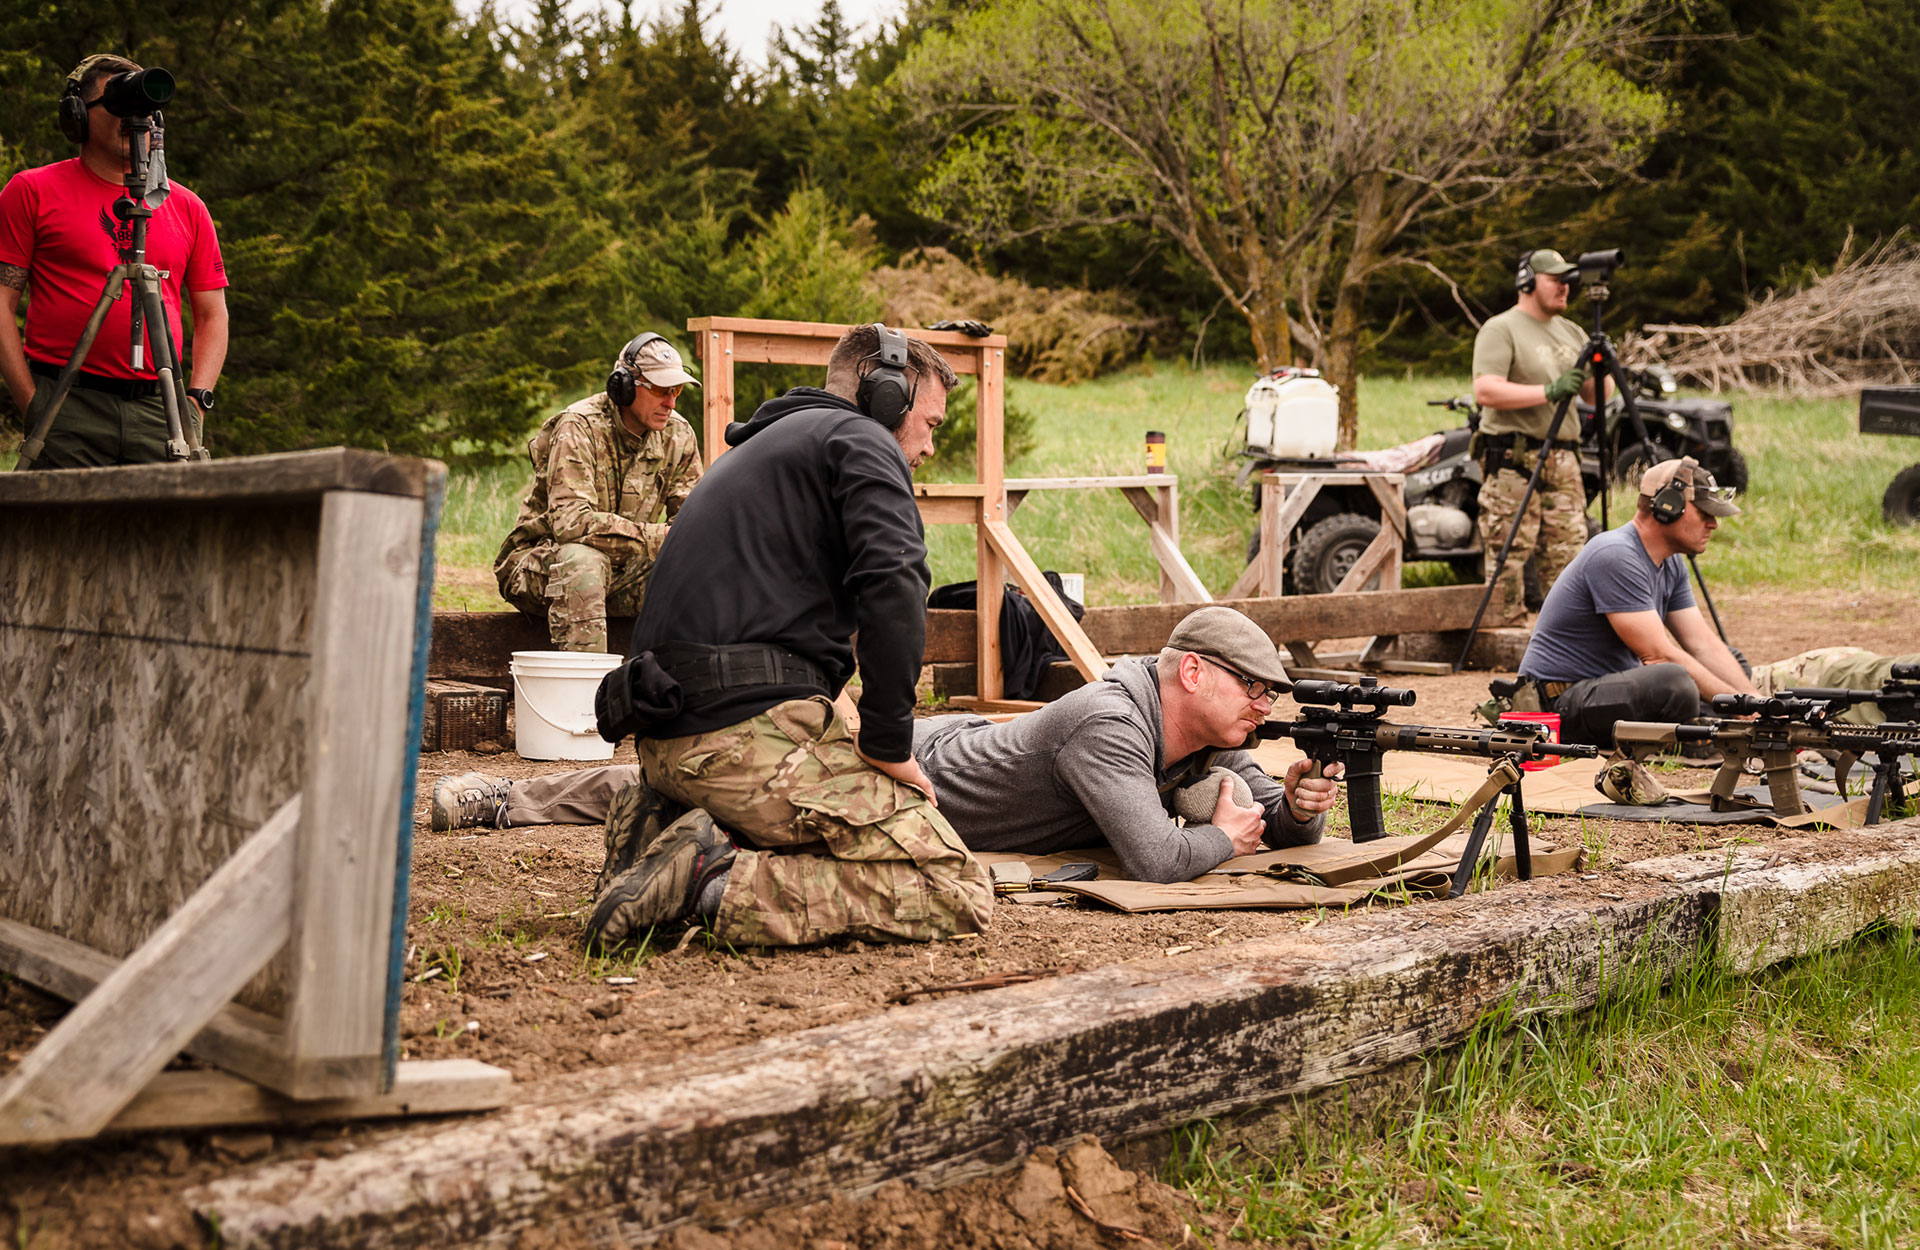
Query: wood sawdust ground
[[499, 973]]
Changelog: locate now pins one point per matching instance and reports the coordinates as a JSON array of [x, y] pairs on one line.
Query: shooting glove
[[1568, 383]]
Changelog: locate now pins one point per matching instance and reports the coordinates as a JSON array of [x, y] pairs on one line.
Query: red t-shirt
[[57, 223]]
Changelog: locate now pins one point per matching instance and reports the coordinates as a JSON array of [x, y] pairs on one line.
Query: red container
[[1552, 721]]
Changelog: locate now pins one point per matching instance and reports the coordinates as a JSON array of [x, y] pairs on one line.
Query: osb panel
[[153, 668]]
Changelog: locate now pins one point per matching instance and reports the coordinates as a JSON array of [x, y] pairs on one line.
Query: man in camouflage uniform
[[805, 535], [1846, 668], [1525, 361], [607, 477]]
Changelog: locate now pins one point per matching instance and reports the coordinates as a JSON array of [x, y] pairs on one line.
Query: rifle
[[1341, 723], [1900, 693], [1781, 727]]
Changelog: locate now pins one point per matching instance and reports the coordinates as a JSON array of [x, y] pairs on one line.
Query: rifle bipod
[[1483, 825], [1886, 791]]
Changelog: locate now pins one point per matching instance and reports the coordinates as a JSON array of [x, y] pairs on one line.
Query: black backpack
[[1027, 646]]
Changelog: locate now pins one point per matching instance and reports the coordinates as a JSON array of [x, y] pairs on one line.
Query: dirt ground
[[498, 973]]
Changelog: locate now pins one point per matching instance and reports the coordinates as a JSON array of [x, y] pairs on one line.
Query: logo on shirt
[[120, 233]]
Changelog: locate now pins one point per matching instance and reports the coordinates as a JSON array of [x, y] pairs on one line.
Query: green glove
[[1568, 383]]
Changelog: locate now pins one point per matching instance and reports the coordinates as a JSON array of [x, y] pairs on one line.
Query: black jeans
[[1655, 692]]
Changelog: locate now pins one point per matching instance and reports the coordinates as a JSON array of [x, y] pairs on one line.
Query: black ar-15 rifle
[[1898, 696], [1344, 724]]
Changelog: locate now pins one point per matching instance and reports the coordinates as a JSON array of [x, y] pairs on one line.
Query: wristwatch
[[201, 395]]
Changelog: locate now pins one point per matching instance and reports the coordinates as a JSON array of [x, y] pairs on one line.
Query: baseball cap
[[1548, 261], [1229, 637], [1702, 491], [660, 365]]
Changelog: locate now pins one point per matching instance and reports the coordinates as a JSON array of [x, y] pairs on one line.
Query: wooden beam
[[716, 387], [285, 476], [1121, 1052], [1374, 560], [367, 587], [119, 1037], [206, 1099], [1179, 583], [1053, 611], [237, 1038], [946, 510]]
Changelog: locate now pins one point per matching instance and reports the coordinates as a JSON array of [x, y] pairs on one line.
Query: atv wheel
[[1635, 459], [1326, 552], [1732, 472], [1901, 504]]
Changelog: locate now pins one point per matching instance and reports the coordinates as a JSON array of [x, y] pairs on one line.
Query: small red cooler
[[1552, 721]]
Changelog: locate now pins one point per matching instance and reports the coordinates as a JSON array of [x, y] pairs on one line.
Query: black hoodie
[[802, 535]]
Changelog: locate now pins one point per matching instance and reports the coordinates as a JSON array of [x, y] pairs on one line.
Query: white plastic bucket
[[1293, 418], [553, 704]]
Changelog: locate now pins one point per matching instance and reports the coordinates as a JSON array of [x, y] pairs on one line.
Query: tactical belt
[[124, 388], [1550, 689], [705, 672]]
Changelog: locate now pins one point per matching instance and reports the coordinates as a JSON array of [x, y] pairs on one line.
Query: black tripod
[[1600, 361], [146, 189]]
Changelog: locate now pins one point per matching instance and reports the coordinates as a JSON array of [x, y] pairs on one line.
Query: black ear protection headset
[[1523, 276], [886, 392], [72, 116], [1669, 503], [623, 384]]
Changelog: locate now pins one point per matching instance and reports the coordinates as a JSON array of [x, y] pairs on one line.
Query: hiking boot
[[469, 801], [1629, 782], [635, 819], [663, 886]]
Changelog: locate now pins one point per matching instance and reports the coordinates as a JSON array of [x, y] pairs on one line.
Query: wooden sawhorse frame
[[724, 342], [1156, 497], [210, 701]]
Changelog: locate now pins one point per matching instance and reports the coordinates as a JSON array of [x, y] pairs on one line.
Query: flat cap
[[1234, 640]]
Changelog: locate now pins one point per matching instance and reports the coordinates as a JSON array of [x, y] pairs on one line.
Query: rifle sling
[[1503, 774]]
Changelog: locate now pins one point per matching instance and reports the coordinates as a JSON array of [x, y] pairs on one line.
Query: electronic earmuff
[[1669, 503], [885, 392], [1523, 276], [623, 384]]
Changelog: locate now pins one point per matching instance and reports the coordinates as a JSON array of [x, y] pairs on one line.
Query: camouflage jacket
[[595, 483]]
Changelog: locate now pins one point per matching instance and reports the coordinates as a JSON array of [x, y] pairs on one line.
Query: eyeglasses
[[1257, 691]]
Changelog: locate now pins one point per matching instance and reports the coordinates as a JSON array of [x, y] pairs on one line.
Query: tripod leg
[[37, 439], [1476, 842], [164, 362]]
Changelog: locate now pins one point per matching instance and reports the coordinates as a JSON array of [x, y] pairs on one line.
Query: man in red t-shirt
[[58, 240]]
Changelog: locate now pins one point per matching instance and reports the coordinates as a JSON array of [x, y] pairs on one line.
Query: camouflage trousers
[[838, 847], [1852, 668], [574, 588], [1555, 525]]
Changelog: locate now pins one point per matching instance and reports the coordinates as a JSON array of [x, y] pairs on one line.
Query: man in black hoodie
[[801, 538]]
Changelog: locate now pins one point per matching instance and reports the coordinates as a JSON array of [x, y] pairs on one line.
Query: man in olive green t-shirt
[[1525, 361]]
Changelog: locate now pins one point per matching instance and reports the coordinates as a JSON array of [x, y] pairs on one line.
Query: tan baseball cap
[[1231, 638], [1702, 491], [659, 364]]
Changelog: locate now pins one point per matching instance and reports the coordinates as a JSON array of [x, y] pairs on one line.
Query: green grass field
[[1812, 515], [1770, 1110]]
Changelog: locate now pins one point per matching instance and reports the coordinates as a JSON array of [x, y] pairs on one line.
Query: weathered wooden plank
[[119, 1037], [284, 476], [237, 1038], [204, 1099], [1124, 482], [367, 586], [944, 1092]]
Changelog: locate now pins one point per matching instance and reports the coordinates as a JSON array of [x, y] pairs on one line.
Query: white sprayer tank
[[1293, 415]]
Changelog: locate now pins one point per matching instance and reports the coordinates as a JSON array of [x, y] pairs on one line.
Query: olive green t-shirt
[[1516, 346]]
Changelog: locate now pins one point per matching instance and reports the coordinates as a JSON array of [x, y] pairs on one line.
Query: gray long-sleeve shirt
[[1089, 769]]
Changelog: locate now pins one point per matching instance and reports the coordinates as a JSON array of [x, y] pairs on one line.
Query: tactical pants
[[1662, 693], [1555, 525], [578, 797], [95, 428], [839, 847], [1851, 668], [574, 588]]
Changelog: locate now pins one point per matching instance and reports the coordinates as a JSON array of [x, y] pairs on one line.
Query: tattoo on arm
[[13, 276]]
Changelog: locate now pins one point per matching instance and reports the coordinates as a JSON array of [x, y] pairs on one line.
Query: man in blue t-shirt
[[1619, 637]]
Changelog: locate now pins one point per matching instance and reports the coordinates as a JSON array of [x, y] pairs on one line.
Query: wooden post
[[716, 390], [990, 455]]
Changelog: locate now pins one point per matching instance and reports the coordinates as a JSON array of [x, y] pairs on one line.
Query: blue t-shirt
[[1572, 639]]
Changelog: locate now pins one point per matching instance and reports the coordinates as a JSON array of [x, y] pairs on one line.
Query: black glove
[[977, 329], [1568, 383]]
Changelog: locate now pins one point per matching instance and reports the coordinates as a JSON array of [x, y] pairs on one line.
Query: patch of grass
[[1765, 1110], [1811, 516]]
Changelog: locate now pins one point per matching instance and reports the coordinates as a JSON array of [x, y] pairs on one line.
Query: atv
[[1663, 427]]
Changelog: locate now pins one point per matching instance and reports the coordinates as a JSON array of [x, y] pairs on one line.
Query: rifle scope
[[137, 92], [1757, 705], [1906, 672], [1342, 694]]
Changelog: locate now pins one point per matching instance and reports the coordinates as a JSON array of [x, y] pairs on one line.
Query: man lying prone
[[1103, 766]]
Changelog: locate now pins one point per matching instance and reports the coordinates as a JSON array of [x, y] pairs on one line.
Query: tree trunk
[[1370, 233]]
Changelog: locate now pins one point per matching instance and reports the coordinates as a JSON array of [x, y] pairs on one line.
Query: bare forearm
[[13, 354], [209, 349], [1718, 660], [1492, 392]]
